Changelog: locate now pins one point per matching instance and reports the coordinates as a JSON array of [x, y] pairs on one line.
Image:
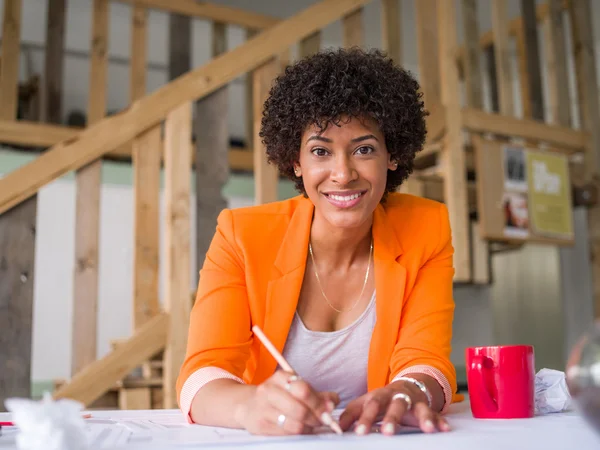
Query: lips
[[344, 199]]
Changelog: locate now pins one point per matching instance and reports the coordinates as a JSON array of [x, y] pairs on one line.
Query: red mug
[[501, 381]]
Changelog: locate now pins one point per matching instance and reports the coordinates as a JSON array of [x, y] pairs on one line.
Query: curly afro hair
[[344, 83]]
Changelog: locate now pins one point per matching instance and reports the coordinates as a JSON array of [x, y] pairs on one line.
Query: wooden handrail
[[114, 131], [34, 134], [568, 139], [210, 11], [101, 375]]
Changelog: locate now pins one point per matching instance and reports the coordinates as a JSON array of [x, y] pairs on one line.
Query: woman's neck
[[339, 248]]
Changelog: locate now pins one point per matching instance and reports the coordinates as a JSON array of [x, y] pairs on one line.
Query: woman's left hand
[[380, 405]]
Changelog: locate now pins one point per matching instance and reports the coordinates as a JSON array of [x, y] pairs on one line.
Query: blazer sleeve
[[219, 335], [424, 339]]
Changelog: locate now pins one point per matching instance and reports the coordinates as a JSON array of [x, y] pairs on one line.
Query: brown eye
[[319, 152], [365, 150]]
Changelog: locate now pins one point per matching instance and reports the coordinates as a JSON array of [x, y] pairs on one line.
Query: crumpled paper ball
[[48, 424], [551, 392]]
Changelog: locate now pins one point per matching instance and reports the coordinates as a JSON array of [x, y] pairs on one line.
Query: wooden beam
[[100, 376], [146, 159], [212, 156], [178, 178], [39, 135], [502, 53], [563, 138], [480, 261], [17, 268], [472, 64], [210, 11], [310, 45], [436, 123], [514, 26], [139, 45], [17, 239], [134, 398], [249, 96], [114, 131], [533, 77], [54, 62], [353, 29], [585, 63], [428, 52], [34, 134], [453, 155], [556, 66], [265, 175], [147, 150], [391, 30], [9, 67], [87, 220]]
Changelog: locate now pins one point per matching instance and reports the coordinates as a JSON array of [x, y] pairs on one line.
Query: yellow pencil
[[326, 419]]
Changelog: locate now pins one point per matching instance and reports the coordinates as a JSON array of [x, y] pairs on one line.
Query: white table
[[552, 432]]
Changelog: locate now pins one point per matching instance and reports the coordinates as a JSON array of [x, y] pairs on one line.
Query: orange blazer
[[254, 270]]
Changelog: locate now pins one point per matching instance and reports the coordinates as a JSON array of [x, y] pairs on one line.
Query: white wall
[[53, 286]]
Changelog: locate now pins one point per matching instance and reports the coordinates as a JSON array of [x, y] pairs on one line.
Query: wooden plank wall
[[212, 155], [87, 221], [17, 238]]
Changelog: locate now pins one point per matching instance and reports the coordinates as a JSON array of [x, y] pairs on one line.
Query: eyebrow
[[357, 139]]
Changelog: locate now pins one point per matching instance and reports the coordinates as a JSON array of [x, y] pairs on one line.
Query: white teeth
[[345, 198]]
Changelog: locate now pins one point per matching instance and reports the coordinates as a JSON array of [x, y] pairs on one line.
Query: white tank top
[[333, 361]]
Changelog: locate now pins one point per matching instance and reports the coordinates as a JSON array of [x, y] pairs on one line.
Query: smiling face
[[344, 170]]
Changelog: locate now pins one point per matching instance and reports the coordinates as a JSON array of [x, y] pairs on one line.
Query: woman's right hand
[[284, 404]]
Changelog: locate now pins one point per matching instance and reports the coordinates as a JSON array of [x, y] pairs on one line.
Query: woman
[[351, 281]]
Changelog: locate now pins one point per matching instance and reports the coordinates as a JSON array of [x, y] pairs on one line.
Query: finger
[[426, 418], [270, 424], [370, 412], [291, 426], [332, 399], [293, 408], [351, 413], [393, 416], [307, 395], [443, 424]]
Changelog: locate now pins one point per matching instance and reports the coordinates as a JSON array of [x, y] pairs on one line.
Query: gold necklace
[[321, 287]]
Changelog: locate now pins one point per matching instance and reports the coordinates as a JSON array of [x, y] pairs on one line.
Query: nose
[[343, 171]]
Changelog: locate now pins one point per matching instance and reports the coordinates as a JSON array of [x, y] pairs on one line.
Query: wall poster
[[524, 194]]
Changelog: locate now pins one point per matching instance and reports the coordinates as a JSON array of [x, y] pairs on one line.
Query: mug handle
[[477, 369]]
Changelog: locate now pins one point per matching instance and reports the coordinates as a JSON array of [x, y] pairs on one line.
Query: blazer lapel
[[390, 278], [284, 287]]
